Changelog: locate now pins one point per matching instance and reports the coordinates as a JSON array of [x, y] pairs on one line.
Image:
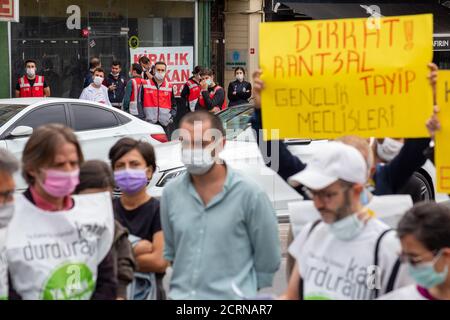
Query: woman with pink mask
[[58, 245]]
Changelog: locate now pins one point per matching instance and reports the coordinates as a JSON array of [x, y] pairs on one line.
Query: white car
[[98, 127]]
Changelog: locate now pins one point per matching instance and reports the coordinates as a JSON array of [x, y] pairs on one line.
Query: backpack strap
[[395, 269], [300, 285]]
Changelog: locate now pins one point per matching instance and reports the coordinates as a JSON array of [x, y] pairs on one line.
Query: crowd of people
[[145, 91], [69, 237]]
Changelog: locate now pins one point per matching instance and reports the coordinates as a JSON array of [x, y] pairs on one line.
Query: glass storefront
[[62, 34]]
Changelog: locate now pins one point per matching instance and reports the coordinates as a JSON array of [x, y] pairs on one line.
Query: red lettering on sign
[[445, 178], [391, 29], [6, 8], [185, 75], [183, 59], [153, 58]]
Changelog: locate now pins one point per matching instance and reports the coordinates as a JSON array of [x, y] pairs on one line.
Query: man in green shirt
[[219, 228]]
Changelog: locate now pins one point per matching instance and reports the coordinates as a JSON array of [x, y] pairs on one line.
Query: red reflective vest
[[211, 95], [157, 102], [26, 91], [194, 93], [136, 84]]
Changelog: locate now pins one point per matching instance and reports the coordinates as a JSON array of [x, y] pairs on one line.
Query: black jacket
[[216, 101], [239, 92], [116, 96]]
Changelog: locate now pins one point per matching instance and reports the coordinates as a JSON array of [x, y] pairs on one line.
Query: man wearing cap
[[340, 257]]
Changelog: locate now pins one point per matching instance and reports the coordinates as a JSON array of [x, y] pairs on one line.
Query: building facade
[[62, 35]]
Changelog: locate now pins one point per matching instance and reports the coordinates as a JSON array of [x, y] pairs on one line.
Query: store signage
[[236, 58], [133, 42], [441, 42], [179, 60], [9, 10], [74, 20]]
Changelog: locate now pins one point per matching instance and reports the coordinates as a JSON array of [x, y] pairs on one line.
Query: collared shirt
[[43, 204], [92, 93], [233, 239]]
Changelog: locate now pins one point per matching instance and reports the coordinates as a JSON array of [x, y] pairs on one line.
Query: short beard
[[346, 209]]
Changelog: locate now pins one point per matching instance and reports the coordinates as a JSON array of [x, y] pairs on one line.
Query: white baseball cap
[[335, 161]]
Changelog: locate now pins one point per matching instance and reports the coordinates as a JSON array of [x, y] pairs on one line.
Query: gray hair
[[8, 163]]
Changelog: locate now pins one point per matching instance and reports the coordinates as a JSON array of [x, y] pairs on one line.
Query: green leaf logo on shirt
[[69, 282], [317, 297]]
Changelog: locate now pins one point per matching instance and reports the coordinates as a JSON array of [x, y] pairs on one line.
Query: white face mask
[[160, 76], [31, 72], [240, 77], [347, 228], [6, 214], [98, 81], [389, 149], [197, 161]]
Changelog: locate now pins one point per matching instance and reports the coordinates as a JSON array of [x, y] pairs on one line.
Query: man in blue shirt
[[219, 228]]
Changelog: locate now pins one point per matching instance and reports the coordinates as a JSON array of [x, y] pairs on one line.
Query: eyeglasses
[[6, 196], [414, 261], [325, 196]]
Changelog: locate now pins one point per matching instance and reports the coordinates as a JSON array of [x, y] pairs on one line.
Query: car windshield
[[235, 120], [8, 111]]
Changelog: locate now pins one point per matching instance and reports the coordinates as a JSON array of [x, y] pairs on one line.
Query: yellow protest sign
[[329, 78], [442, 140]]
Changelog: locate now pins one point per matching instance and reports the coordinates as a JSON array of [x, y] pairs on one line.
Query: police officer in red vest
[[158, 98], [212, 96], [32, 85], [191, 91], [130, 99]]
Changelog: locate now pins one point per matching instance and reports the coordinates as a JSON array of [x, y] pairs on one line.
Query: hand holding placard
[[258, 86]]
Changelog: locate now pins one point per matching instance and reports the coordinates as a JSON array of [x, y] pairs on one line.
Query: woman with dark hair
[[58, 245], [95, 177], [239, 91], [424, 232], [134, 163]]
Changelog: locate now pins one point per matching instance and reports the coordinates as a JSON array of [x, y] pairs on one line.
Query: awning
[[318, 10]]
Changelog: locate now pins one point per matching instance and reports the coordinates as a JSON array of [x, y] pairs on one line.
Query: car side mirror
[[21, 131]]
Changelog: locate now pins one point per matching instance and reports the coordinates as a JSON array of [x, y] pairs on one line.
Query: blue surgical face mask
[[347, 228], [6, 214], [364, 197], [426, 276], [208, 82]]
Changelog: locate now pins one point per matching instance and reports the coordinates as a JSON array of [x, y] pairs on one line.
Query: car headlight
[[170, 175]]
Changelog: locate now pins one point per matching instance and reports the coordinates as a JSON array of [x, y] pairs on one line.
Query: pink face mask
[[59, 183]]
